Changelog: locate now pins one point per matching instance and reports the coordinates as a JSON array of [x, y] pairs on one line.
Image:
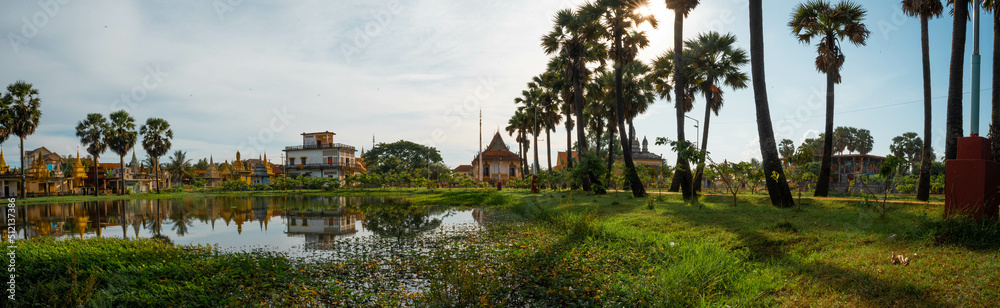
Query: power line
[[852, 111]]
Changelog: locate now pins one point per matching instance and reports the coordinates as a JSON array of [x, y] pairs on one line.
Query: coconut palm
[[22, 114], [121, 137], [681, 10], [619, 20], [156, 135], [925, 10], [92, 132], [573, 39], [819, 19], [720, 62]]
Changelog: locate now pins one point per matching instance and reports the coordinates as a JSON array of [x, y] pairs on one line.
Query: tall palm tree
[[819, 19], [925, 10], [23, 112], [565, 89], [549, 114], [777, 187], [664, 82], [600, 94], [518, 124], [620, 19], [574, 40], [681, 10], [92, 132], [156, 135], [720, 62], [531, 100], [121, 138], [953, 117], [639, 94], [179, 165]]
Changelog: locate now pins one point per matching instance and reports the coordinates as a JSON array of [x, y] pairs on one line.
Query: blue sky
[[252, 75]]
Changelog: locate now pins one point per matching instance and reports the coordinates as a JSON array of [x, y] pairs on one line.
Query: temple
[[499, 164]]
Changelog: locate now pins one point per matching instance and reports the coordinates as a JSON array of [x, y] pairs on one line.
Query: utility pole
[[976, 63]]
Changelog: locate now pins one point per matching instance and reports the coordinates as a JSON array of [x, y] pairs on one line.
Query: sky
[[252, 76]]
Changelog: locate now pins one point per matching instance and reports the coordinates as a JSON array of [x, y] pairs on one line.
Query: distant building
[[463, 170], [499, 164], [319, 156]]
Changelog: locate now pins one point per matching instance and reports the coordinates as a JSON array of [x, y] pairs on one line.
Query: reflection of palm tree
[[182, 221]]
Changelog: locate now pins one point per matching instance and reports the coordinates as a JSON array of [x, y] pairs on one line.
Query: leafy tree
[[121, 138], [731, 175], [830, 24], [156, 135], [909, 146], [93, 134], [786, 148], [21, 113], [925, 10], [202, 164], [400, 156]]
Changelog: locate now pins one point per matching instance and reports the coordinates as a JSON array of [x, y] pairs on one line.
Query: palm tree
[[92, 132], [638, 92], [664, 82], [179, 165], [818, 19], [530, 98], [953, 117], [719, 61], [681, 10], [156, 135], [786, 148], [519, 124], [22, 114], [121, 137], [548, 114], [573, 39], [619, 19], [565, 90], [925, 10], [601, 109]]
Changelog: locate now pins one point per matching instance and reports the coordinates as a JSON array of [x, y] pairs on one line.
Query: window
[[512, 171], [303, 160], [291, 160], [329, 160]]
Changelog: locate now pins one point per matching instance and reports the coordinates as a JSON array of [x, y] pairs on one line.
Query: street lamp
[[696, 132]]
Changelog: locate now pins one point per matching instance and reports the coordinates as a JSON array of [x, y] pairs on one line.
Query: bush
[[233, 185]]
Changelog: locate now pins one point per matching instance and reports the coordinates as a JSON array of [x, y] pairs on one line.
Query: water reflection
[[274, 223]]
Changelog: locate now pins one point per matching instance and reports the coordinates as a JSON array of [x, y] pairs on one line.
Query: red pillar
[[972, 181]]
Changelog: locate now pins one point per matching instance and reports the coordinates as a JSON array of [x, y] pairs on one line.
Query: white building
[[320, 156]]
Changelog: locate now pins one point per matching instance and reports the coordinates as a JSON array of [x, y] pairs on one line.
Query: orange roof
[[463, 168]]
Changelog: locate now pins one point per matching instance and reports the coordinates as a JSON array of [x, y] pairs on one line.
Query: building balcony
[[320, 146], [323, 166]]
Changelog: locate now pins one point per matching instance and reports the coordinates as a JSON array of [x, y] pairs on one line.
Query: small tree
[[729, 174], [887, 173], [687, 151]]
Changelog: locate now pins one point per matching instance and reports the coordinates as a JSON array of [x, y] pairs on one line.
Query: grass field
[[568, 248]]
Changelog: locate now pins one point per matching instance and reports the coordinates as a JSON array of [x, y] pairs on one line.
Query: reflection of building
[[498, 162], [321, 225], [319, 156]]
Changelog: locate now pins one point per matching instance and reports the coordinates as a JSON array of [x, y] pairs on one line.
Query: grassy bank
[[564, 249]]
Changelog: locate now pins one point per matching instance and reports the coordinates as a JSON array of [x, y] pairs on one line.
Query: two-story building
[[319, 156]]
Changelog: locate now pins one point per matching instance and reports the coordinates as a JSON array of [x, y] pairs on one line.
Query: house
[[319, 156], [463, 170]]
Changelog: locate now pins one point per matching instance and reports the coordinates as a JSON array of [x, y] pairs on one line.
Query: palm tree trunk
[[611, 150], [156, 161], [777, 189], [638, 190], [955, 77], [600, 135], [823, 183], [534, 167], [23, 188], [95, 175], [548, 147], [569, 142], [924, 180], [121, 175], [704, 139], [682, 178], [581, 144]]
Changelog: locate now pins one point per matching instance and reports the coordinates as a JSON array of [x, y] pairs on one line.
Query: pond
[[299, 226]]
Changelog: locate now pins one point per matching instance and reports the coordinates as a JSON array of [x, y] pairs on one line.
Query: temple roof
[[497, 144]]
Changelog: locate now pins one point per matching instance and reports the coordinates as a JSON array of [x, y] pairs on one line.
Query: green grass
[[566, 248]]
